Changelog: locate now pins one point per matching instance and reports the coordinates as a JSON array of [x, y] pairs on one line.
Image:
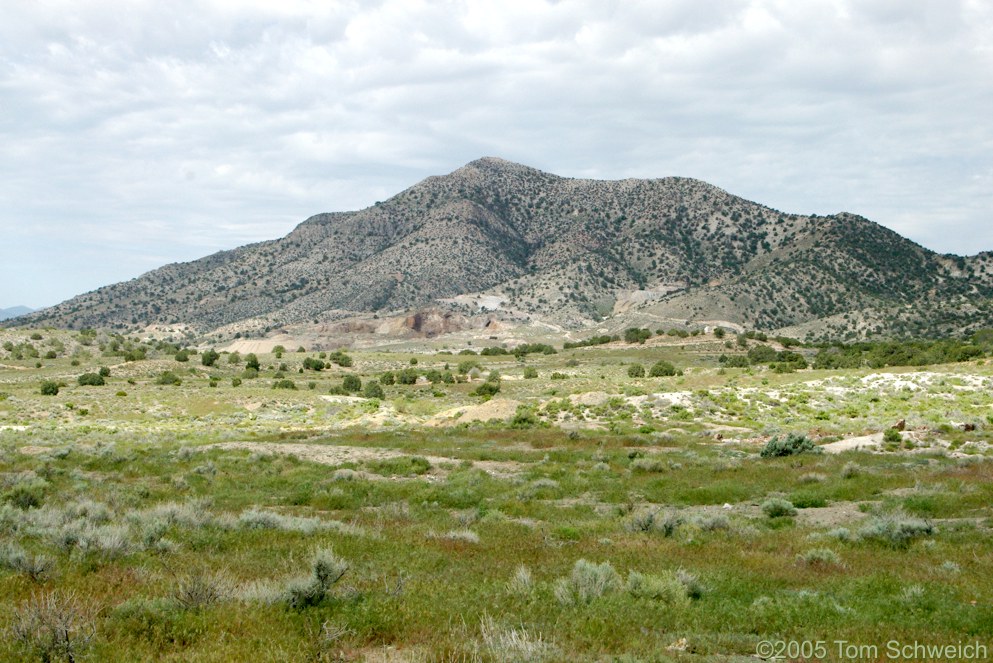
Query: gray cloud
[[138, 134]]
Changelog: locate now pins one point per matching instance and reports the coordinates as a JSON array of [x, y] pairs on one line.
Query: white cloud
[[157, 130]]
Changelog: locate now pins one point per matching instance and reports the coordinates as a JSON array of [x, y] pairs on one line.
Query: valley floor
[[581, 514]]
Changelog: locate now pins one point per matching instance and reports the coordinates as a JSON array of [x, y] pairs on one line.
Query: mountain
[[569, 251], [13, 312]]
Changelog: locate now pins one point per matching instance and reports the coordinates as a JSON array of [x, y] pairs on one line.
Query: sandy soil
[[498, 408], [863, 443], [591, 398]]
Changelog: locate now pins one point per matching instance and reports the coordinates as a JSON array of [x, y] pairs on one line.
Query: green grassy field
[[585, 516]]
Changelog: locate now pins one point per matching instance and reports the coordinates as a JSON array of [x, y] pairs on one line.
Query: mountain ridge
[[14, 311], [572, 251]]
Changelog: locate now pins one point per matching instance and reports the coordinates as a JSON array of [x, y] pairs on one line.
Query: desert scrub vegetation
[[790, 445], [597, 517]]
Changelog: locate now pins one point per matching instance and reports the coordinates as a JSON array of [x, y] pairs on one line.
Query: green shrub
[[90, 380], [487, 389], [636, 335], [38, 568], [199, 589], [648, 465], [26, 494], [252, 363], [892, 436], [735, 361], [791, 445], [351, 384], [51, 626], [777, 507], [49, 388], [636, 371], [313, 364], [408, 376], [326, 570], [526, 417], [285, 383], [807, 501], [209, 357], [895, 531], [373, 390], [530, 372], [662, 369], [168, 378]]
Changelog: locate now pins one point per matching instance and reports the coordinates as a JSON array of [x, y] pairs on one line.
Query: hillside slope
[[571, 251]]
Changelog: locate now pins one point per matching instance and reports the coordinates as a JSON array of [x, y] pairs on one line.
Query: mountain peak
[[568, 251]]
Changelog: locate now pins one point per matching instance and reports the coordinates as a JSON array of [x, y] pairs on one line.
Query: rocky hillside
[[564, 250]]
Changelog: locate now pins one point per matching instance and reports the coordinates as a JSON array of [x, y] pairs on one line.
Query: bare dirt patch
[[498, 408], [834, 515], [860, 443], [590, 398]]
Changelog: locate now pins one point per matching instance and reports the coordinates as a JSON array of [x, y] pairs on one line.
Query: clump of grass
[[665, 588], [791, 445], [950, 567], [587, 581], [812, 477], [842, 534], [820, 557], [193, 514], [395, 511], [913, 595], [513, 645], [460, 535], [522, 582], [777, 507], [97, 513], [851, 470]]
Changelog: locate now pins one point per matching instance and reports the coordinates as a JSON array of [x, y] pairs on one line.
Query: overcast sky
[[133, 134]]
